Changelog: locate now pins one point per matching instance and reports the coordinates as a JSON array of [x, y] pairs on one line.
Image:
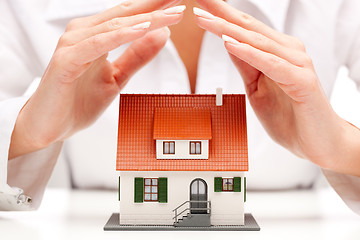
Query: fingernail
[[228, 39], [141, 26], [202, 13], [175, 10]]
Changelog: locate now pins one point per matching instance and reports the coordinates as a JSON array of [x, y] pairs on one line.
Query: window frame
[[227, 180], [151, 193], [195, 142], [168, 142]]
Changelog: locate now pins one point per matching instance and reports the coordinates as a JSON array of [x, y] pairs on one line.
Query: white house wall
[[227, 208], [182, 150]]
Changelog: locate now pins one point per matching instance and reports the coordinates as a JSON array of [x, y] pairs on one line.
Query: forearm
[[22, 142], [347, 160]]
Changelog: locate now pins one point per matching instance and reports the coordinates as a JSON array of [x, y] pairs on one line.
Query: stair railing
[[189, 208]]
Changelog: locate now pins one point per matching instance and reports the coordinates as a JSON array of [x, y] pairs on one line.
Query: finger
[[98, 45], [277, 69], [249, 74], [127, 8], [221, 27], [223, 10], [158, 19], [139, 54]]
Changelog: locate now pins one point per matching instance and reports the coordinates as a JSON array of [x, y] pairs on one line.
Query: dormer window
[[169, 148], [182, 133], [195, 148]]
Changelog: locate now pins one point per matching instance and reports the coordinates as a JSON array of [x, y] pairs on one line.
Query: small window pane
[[147, 197], [172, 148], [154, 182], [154, 197], [225, 185], [154, 190], [166, 148], [147, 181], [198, 148], [147, 189], [230, 187], [192, 150], [194, 188], [202, 187]]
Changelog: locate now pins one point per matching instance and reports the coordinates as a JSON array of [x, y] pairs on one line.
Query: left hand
[[79, 82], [282, 86]]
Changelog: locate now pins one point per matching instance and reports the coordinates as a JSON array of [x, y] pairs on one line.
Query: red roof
[[182, 124], [228, 149]]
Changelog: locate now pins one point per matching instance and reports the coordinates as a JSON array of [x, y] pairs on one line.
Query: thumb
[[139, 53]]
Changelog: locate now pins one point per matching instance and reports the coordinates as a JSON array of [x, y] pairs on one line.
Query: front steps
[[194, 220]]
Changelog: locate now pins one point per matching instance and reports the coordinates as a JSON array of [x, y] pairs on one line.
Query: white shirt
[[30, 29]]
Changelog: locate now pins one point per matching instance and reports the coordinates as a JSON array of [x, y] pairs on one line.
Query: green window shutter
[[237, 184], [163, 190], [244, 189], [119, 189], [218, 184], [138, 190]]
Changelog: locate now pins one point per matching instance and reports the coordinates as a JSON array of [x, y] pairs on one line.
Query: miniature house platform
[[182, 161]]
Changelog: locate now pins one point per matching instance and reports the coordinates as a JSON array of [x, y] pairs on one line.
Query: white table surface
[[66, 214]]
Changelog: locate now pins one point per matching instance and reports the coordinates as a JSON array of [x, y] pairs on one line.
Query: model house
[[182, 159]]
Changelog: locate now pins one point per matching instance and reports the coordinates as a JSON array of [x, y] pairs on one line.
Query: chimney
[[219, 97]]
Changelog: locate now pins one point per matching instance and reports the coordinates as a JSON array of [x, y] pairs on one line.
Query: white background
[[346, 98]]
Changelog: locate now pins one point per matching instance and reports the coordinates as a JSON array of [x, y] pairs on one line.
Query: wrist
[[349, 150], [23, 140], [344, 153]]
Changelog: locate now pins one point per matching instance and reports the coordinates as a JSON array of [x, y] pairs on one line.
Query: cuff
[[14, 199]]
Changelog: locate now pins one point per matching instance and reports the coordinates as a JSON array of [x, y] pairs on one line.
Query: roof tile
[[182, 124]]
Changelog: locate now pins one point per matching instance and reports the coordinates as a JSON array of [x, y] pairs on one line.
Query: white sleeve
[[347, 38], [19, 67], [348, 188]]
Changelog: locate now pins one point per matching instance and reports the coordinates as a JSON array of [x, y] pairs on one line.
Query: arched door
[[198, 192]]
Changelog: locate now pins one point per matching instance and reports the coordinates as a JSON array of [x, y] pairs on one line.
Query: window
[[150, 190], [195, 148], [228, 184], [169, 148], [151, 186]]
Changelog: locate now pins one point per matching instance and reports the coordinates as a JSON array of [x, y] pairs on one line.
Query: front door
[[198, 192]]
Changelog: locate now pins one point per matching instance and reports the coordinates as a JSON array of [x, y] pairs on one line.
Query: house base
[[113, 225]]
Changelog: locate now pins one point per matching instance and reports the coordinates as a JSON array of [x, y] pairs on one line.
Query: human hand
[[282, 86], [79, 83]]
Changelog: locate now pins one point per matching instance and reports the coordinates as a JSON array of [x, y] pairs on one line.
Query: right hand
[[79, 83]]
